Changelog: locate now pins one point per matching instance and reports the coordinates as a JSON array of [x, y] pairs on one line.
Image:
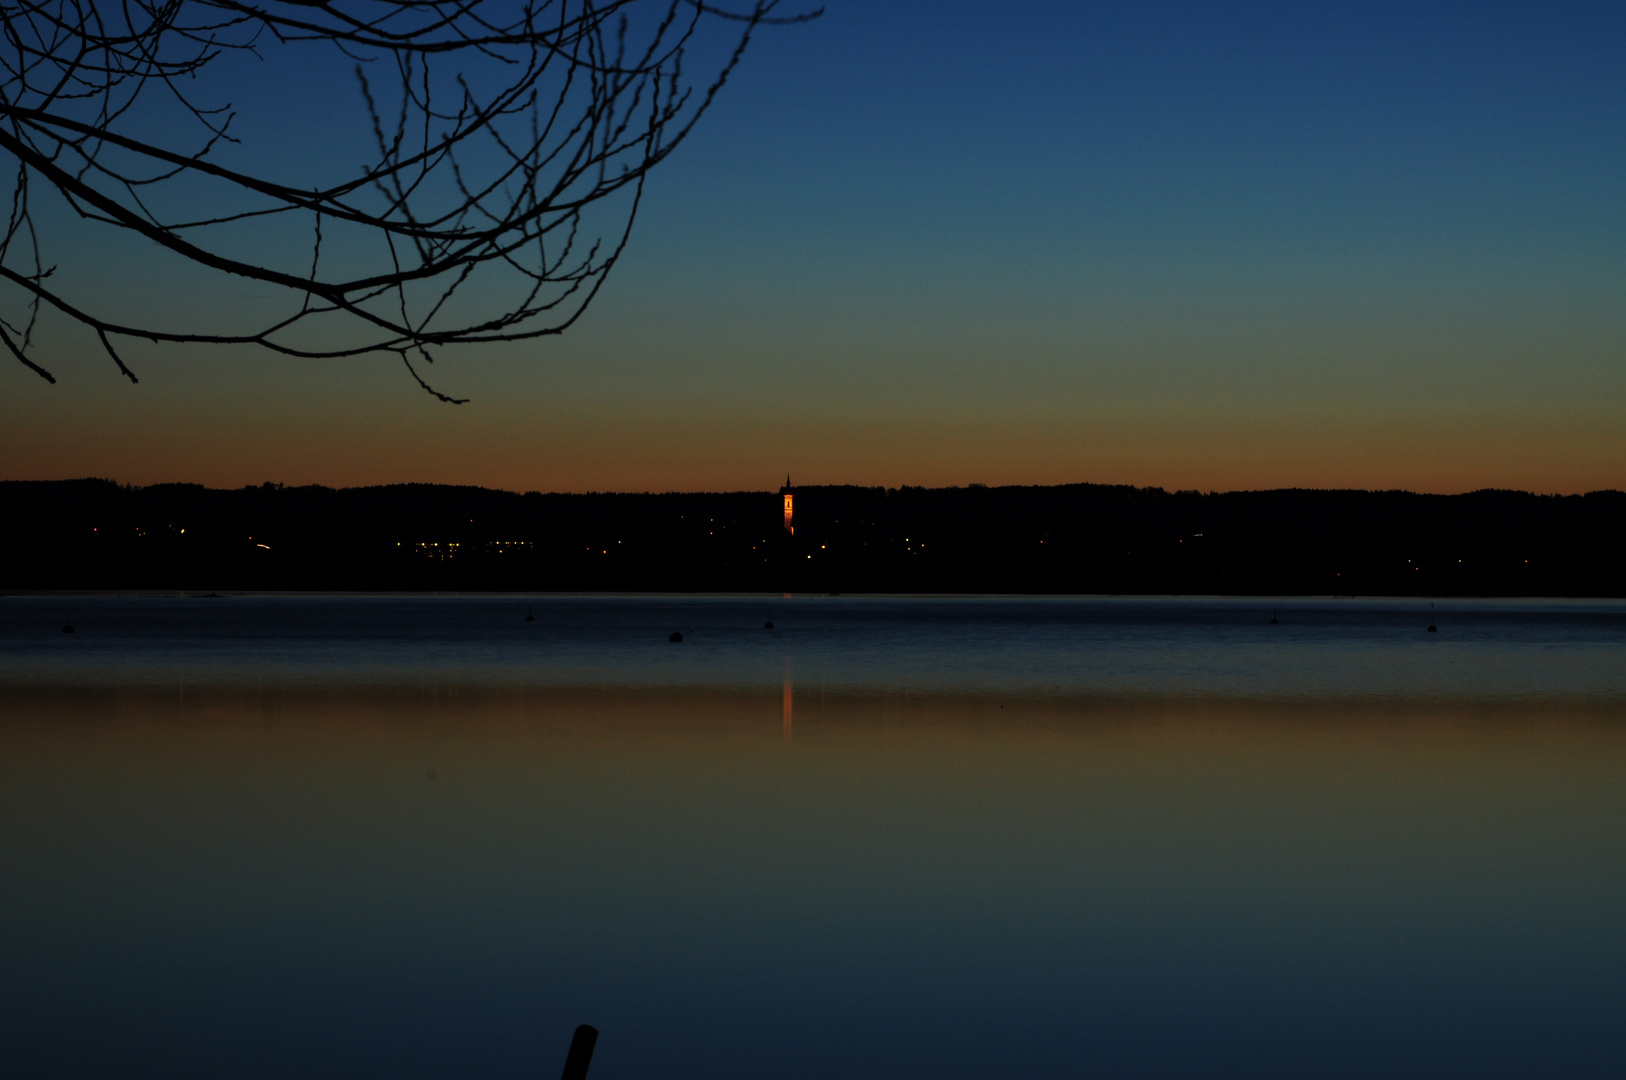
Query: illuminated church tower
[[789, 498]]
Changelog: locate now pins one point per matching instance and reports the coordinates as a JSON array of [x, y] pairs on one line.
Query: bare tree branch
[[508, 137]]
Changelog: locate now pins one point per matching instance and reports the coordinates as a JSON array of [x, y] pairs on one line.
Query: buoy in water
[[1433, 629], [530, 615], [768, 625], [675, 636], [67, 628], [1273, 619]]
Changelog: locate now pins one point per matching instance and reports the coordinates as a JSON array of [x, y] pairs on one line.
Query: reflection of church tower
[[789, 496]]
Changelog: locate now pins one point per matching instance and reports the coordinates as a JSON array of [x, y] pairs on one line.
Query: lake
[[946, 837]]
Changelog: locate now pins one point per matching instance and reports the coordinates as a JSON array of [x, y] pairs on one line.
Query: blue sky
[[1179, 244]]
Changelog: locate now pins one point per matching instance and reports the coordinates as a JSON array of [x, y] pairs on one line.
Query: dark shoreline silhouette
[[1078, 538]]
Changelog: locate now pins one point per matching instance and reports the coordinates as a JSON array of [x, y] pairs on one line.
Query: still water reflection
[[807, 870]]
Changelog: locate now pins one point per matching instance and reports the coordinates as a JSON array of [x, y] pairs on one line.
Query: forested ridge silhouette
[[1076, 538]]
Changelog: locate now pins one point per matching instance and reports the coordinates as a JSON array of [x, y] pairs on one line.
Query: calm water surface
[[282, 836]]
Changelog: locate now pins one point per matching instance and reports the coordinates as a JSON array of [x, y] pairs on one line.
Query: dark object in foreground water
[[1273, 619], [675, 636], [530, 614], [67, 628], [768, 625], [581, 1053], [1433, 629]]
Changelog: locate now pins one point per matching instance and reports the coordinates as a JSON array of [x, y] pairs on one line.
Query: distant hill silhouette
[[1076, 538]]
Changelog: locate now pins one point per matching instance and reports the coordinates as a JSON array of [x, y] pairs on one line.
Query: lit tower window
[[789, 498]]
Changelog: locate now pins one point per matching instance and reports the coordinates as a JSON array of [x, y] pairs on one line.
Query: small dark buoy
[[768, 625], [1273, 619], [1433, 629], [530, 615], [675, 636], [67, 628]]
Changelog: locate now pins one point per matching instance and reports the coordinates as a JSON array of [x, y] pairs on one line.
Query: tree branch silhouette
[[511, 140]]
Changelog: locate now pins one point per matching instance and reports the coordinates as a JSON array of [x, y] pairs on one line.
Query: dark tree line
[[511, 140], [1075, 539]]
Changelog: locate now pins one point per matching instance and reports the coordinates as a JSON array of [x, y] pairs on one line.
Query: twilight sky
[[1191, 245]]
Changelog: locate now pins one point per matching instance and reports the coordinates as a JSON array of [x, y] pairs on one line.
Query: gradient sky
[[1196, 246]]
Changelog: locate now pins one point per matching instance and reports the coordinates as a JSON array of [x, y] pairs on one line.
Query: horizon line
[[970, 486]]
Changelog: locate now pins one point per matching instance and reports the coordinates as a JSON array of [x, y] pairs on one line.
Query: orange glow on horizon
[[179, 441]]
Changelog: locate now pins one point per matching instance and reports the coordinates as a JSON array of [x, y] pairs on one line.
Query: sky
[[1187, 245]]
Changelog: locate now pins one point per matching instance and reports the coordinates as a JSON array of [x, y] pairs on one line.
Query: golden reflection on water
[[1258, 738]]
